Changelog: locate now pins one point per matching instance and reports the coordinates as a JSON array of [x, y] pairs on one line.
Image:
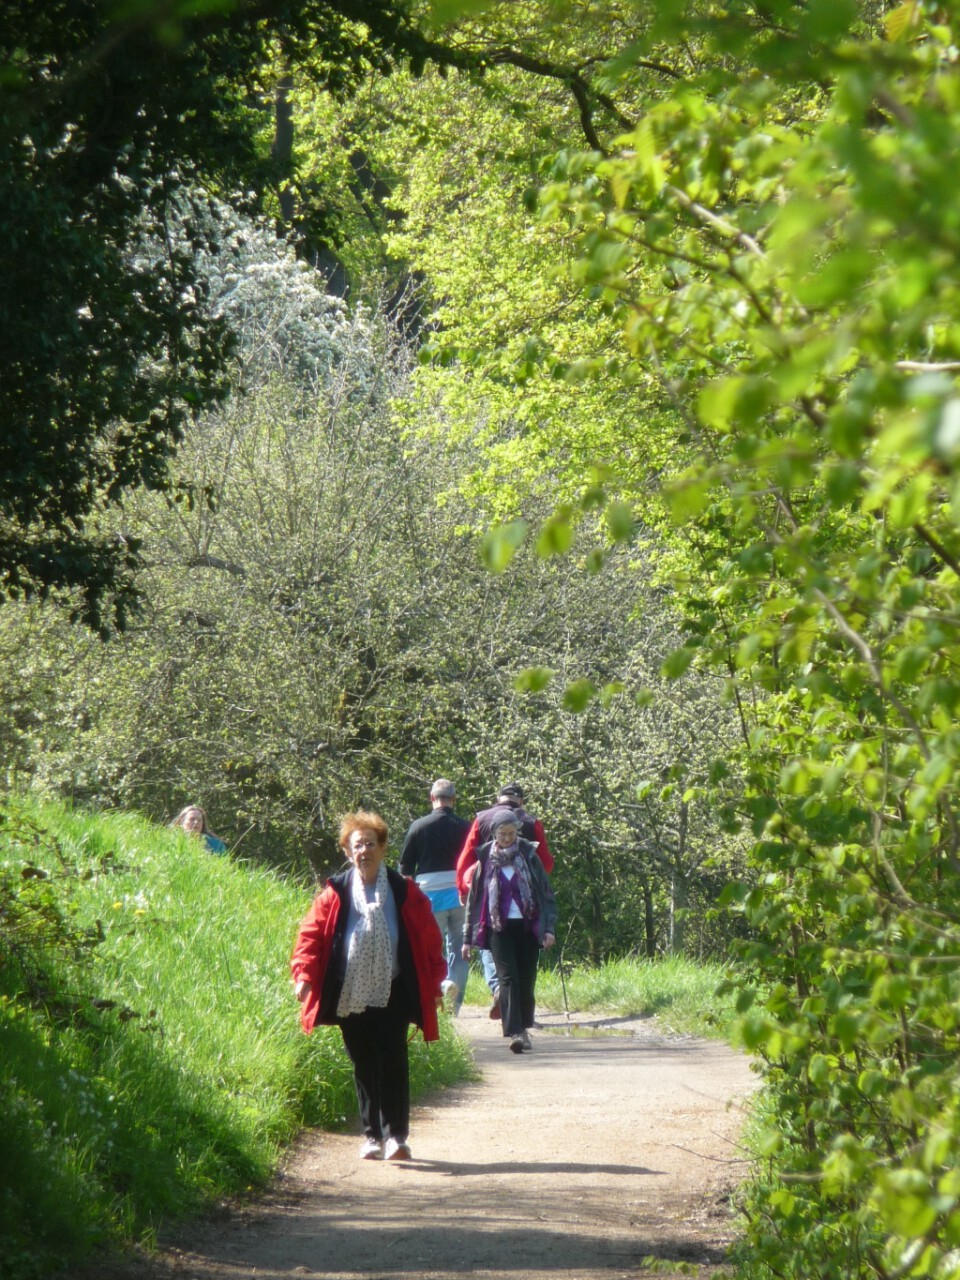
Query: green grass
[[681, 995], [151, 1059]]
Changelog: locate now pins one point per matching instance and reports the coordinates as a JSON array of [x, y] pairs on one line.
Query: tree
[[106, 121]]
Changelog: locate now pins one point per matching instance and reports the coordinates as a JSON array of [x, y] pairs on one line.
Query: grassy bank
[[151, 1059], [679, 994]]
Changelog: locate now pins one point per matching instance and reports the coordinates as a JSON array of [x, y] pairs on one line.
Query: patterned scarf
[[366, 983], [498, 859]]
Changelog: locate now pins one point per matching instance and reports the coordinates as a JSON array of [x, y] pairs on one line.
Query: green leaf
[[820, 1067], [577, 696], [500, 545], [620, 521], [899, 20], [647, 154], [718, 401], [911, 661], [610, 691], [908, 1215], [676, 663], [687, 498], [533, 679], [555, 537], [908, 505]]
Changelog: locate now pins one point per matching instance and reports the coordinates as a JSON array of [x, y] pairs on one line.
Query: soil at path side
[[586, 1158]]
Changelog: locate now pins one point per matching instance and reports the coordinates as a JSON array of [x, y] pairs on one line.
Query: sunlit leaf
[[620, 521], [677, 663], [578, 695], [533, 679], [500, 545]]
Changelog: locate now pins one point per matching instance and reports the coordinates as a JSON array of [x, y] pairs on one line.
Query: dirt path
[[582, 1158]]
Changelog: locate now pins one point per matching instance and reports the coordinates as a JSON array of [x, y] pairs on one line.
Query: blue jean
[[490, 971], [451, 930]]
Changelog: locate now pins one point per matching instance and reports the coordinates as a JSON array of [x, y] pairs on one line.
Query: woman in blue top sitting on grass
[[193, 820]]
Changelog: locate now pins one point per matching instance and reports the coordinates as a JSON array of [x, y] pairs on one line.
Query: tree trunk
[[679, 896], [282, 150], [649, 921], [679, 886]]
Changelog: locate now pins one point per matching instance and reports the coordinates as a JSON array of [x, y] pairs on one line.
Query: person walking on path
[[368, 958], [429, 855], [511, 911], [531, 828]]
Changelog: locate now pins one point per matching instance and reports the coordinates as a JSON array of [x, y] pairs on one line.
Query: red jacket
[[319, 936], [475, 838]]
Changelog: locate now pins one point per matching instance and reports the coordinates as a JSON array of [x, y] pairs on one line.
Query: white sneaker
[[451, 993], [371, 1149], [395, 1150]]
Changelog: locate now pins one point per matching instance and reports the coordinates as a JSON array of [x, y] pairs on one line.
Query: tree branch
[[923, 532], [579, 86]]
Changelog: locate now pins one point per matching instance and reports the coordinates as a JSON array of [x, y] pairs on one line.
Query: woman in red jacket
[[369, 959]]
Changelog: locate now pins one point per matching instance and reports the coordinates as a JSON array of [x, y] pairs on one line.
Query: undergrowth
[[679, 994]]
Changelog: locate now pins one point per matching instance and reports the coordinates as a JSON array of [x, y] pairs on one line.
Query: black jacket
[[433, 843]]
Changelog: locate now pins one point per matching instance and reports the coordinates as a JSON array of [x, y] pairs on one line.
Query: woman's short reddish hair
[[362, 821]]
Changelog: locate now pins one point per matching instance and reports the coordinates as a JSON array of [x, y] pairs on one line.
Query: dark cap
[[511, 789]]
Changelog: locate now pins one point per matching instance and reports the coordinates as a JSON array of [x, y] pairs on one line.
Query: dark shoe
[[494, 1013], [516, 1044], [526, 1041]]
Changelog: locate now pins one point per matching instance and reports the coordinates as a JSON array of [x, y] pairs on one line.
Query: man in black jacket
[[429, 854]]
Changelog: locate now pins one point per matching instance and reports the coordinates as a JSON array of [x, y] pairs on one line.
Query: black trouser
[[376, 1043], [515, 953]]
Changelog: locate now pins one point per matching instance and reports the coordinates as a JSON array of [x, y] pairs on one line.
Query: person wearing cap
[[531, 828], [429, 856], [511, 911]]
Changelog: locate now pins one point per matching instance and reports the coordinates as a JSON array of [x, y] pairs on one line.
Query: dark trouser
[[376, 1043], [515, 953]]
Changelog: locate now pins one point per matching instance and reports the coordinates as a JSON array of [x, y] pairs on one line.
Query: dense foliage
[[106, 112]]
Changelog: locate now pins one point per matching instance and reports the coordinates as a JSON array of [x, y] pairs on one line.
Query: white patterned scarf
[[366, 983]]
